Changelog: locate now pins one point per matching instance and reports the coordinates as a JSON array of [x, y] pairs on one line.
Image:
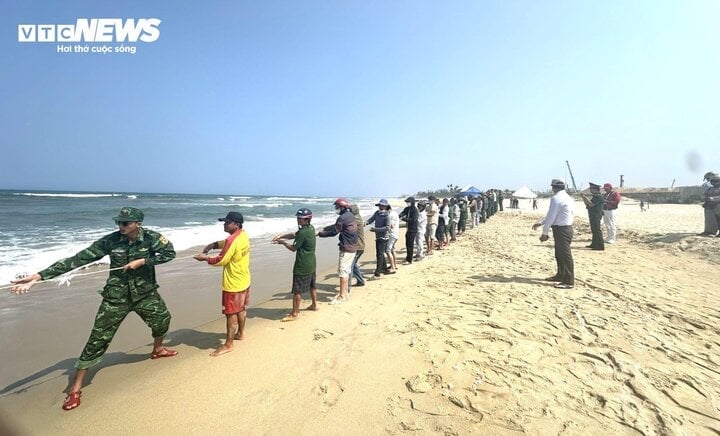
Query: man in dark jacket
[[347, 230], [410, 215]]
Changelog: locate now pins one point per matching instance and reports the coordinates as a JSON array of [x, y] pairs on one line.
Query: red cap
[[607, 186], [341, 202]]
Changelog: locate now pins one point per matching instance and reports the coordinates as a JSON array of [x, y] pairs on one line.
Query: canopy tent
[[524, 192], [470, 190]]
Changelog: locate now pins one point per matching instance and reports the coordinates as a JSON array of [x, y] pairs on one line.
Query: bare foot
[[221, 350], [239, 337], [289, 318], [312, 307]]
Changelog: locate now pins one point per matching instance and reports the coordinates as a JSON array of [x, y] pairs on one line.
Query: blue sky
[[374, 98]]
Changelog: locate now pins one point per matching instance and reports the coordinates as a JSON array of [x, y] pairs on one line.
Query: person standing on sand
[[411, 216], [356, 273], [431, 211], [711, 222], [131, 287], [393, 236], [612, 200], [560, 218], [347, 230], [234, 257], [594, 207], [420, 237], [305, 262], [381, 219], [712, 197]]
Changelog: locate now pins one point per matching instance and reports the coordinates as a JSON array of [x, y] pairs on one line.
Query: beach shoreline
[[471, 340]]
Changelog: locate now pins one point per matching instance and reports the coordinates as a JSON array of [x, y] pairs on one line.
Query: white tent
[[524, 192]]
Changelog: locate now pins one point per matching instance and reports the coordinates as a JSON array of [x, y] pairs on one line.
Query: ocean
[[40, 227]]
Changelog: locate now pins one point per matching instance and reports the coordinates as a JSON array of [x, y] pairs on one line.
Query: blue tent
[[470, 190]]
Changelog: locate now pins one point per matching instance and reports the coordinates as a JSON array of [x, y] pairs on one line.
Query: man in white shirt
[[560, 218]]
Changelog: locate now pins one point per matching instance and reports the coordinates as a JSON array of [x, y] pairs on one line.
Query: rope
[[66, 278]]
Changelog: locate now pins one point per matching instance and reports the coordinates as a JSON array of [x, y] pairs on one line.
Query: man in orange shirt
[[234, 257]]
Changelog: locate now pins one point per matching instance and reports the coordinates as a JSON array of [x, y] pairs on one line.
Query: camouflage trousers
[[110, 315]]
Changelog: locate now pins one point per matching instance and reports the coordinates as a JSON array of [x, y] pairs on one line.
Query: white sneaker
[[610, 242], [338, 301]]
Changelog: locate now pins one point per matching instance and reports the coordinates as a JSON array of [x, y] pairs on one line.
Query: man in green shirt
[[130, 287], [594, 207], [305, 262]]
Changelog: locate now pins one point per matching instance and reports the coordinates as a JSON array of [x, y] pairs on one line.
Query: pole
[[571, 175]]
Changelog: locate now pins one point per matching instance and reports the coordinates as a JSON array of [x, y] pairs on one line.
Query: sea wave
[[65, 195]]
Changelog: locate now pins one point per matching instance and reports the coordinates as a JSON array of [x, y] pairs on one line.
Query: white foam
[[68, 195]]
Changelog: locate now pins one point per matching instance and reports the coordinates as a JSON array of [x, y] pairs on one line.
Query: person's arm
[[94, 252], [331, 230], [586, 200], [162, 252]]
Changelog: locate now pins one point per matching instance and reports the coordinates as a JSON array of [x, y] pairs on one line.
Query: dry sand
[[468, 341]]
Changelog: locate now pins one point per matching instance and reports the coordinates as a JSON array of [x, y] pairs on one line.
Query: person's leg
[[409, 246], [107, 321], [153, 311], [566, 268], [380, 265], [356, 270]]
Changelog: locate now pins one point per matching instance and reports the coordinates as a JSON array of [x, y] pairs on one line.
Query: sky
[[363, 98]]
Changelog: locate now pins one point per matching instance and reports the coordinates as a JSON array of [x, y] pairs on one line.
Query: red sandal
[[164, 352], [72, 400]]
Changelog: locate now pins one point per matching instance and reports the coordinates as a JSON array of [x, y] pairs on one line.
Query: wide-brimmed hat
[[557, 183], [382, 202]]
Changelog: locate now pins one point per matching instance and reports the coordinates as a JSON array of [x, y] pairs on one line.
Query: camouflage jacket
[[135, 284]]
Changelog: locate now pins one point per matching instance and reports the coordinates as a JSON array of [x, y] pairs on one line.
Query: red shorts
[[235, 302]]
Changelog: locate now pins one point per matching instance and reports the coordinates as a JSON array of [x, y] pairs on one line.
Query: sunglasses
[[124, 223]]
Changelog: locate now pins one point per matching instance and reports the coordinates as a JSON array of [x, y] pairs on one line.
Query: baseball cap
[[235, 217]]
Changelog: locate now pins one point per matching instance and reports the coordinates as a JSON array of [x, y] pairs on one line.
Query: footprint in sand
[[330, 390]]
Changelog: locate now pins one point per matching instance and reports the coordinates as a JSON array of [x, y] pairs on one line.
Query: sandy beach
[[469, 341]]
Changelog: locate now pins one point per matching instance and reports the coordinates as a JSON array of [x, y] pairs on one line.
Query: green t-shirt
[[304, 251]]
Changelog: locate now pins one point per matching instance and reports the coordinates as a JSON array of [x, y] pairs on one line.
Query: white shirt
[[561, 212], [394, 224]]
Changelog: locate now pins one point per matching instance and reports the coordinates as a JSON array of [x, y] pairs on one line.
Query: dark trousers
[[566, 267], [597, 237], [409, 245], [380, 247]]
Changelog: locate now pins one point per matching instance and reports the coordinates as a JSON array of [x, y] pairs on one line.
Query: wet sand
[[468, 341]]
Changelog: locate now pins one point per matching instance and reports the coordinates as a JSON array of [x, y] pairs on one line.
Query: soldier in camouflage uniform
[[130, 287]]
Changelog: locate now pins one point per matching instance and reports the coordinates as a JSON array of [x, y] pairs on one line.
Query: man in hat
[[560, 219], [304, 268], [612, 200], [711, 222], [381, 219], [234, 257], [131, 287], [346, 229], [410, 215], [594, 207]]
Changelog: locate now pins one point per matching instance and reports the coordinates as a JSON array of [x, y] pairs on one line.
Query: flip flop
[[164, 352], [289, 318], [72, 400]]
